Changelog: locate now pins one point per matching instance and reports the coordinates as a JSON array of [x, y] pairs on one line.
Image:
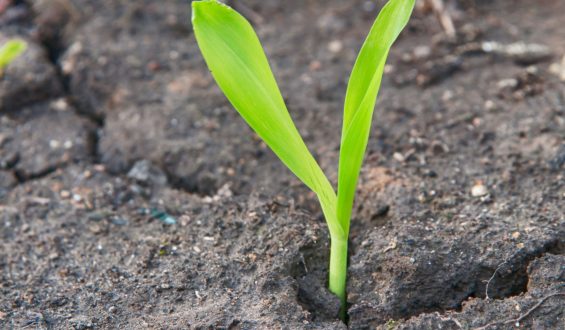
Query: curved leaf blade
[[239, 65], [360, 99]]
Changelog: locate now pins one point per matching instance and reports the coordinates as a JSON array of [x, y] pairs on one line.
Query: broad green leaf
[[10, 51], [236, 59], [360, 100]]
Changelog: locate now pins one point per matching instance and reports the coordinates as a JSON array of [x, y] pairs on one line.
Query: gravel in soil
[[132, 195]]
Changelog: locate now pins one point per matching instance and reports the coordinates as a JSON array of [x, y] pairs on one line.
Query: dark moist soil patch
[[133, 196]]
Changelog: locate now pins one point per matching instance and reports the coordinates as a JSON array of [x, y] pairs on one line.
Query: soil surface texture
[[132, 196]]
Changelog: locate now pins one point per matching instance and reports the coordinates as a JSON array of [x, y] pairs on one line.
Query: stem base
[[338, 272]]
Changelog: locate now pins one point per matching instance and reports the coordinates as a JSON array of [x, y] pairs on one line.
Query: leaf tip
[[201, 8], [196, 7]]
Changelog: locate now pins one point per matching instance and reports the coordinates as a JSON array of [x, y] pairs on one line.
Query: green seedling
[[10, 51], [236, 59]]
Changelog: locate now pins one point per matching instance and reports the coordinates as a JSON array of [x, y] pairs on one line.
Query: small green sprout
[[236, 59], [9, 52]]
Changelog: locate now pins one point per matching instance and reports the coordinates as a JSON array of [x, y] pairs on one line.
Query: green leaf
[[236, 59], [361, 97], [11, 50]]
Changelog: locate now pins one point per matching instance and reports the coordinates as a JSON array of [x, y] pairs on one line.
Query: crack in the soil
[[55, 48], [22, 177], [519, 271]]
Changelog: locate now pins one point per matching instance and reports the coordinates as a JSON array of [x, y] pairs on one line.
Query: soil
[[132, 196]]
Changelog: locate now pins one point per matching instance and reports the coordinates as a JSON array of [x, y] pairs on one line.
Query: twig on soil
[[442, 16], [496, 271], [492, 277], [523, 316], [303, 263]]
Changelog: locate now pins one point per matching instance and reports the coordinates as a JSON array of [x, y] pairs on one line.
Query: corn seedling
[[236, 59], [10, 51]]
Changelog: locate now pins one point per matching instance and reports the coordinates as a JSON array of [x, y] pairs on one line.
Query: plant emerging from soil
[[11, 50], [236, 59]]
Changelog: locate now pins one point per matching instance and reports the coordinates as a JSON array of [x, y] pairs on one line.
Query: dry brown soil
[[132, 196]]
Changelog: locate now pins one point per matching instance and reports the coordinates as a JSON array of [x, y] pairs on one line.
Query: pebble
[[144, 171], [521, 52], [558, 68], [507, 83], [421, 52], [490, 105], [60, 104], [54, 144], [95, 229], [398, 157], [479, 190], [315, 66], [335, 46]]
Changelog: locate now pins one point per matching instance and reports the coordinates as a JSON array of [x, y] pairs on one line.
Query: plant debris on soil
[[132, 196]]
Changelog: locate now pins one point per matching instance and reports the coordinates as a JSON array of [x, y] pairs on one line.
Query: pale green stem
[[338, 271]]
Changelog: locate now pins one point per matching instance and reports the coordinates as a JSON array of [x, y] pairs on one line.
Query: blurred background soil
[[133, 196]]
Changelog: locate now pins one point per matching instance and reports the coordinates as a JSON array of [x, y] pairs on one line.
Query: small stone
[[515, 234], [490, 105], [421, 52], [54, 144], [439, 148], [391, 245], [520, 52], [335, 46], [507, 83], [447, 95], [558, 68], [398, 157], [381, 211], [429, 173], [144, 171], [315, 65], [60, 104], [153, 66], [95, 229], [479, 190]]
